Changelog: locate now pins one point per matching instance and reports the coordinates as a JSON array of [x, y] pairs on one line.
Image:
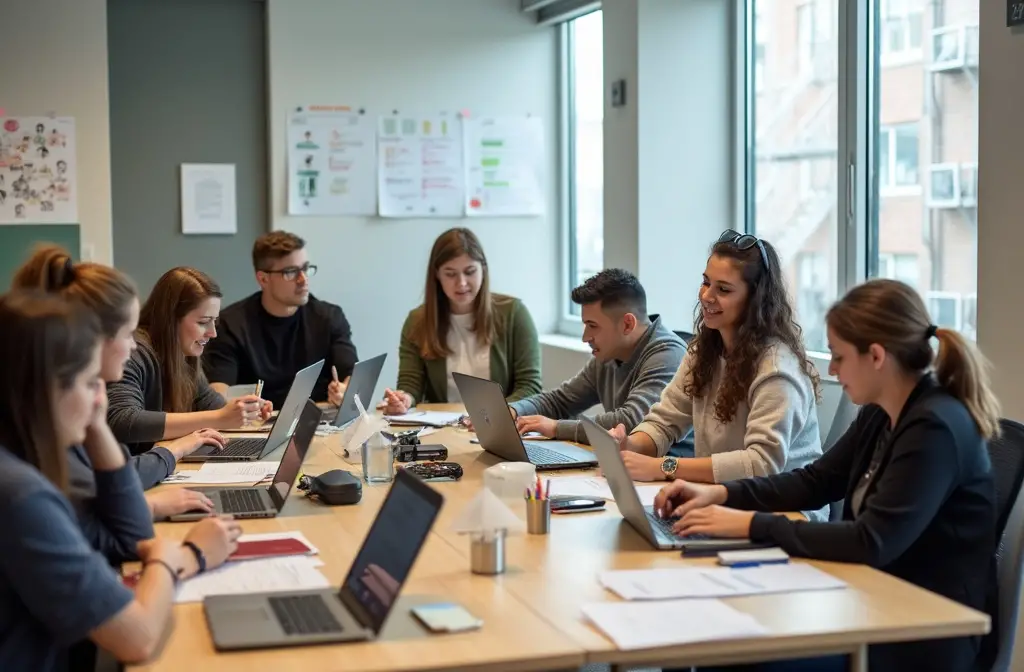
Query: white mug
[[509, 480]]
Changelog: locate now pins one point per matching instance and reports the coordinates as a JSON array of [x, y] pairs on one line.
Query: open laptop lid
[[364, 383], [298, 395], [294, 454], [492, 422], [390, 549], [614, 470]]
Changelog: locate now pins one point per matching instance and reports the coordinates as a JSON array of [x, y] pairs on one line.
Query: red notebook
[[268, 548]]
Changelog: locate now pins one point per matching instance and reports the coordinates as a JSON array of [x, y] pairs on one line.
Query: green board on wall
[[16, 241]]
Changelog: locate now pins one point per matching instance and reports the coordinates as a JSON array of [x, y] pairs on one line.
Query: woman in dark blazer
[[913, 469]]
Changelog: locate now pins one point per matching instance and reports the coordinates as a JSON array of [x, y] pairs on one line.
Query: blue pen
[[758, 563]]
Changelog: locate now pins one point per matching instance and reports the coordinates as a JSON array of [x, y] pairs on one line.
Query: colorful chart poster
[[331, 163], [419, 166], [504, 167], [37, 171]]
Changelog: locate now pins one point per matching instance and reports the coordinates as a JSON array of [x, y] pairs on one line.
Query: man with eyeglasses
[[281, 329]]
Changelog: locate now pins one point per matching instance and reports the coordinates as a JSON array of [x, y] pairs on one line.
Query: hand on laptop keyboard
[[172, 501]]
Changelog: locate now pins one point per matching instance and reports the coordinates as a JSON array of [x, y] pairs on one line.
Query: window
[[585, 94], [795, 166], [926, 161], [898, 156], [900, 29]]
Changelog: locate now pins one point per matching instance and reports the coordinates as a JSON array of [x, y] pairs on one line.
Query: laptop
[[250, 449], [497, 433], [657, 530], [265, 502], [362, 383], [358, 610]]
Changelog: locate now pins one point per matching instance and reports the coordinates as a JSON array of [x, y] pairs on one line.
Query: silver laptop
[[644, 520], [362, 383], [356, 612], [265, 502], [250, 449], [497, 433]]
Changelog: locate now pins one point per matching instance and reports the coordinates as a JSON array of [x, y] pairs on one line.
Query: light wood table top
[[532, 613]]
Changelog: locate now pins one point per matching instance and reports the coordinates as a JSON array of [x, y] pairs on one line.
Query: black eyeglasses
[[292, 272], [745, 241]]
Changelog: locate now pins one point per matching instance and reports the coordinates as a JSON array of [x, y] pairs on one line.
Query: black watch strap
[[200, 558]]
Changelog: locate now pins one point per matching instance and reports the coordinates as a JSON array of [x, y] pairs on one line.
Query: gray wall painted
[[187, 85]]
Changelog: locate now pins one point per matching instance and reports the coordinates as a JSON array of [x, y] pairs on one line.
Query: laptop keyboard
[[241, 500], [250, 446], [304, 615], [665, 526], [538, 454]]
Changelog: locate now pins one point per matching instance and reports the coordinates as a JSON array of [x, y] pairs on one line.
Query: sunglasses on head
[[745, 241]]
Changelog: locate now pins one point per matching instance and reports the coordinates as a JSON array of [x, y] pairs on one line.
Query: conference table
[[531, 613]]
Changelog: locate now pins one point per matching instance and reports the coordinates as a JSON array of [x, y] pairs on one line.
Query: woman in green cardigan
[[462, 327]]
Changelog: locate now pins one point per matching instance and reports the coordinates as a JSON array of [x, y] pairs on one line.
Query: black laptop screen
[[391, 547]]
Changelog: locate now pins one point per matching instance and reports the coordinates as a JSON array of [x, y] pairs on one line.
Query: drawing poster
[[504, 167], [419, 168], [37, 171], [331, 162]]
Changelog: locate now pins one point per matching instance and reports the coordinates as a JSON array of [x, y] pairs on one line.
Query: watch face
[[668, 465]]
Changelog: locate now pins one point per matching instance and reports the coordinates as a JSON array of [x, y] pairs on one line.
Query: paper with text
[[692, 582], [298, 572], [225, 473], [641, 625]]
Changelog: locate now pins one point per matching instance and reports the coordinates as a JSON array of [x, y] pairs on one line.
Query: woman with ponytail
[[913, 469], [112, 297]]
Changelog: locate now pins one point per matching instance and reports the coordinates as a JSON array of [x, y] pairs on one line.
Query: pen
[[259, 388], [547, 489]]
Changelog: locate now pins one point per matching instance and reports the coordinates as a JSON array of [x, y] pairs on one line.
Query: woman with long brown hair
[[55, 590], [913, 468], [462, 326], [163, 393], [745, 385]]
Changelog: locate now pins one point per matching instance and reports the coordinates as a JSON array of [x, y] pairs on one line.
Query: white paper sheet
[[425, 418], [332, 161], [597, 486], [293, 572], [38, 177], [504, 166], [419, 166], [225, 473], [640, 625], [691, 582], [208, 199]]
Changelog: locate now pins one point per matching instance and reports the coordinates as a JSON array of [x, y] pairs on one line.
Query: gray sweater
[[135, 403], [626, 389], [774, 430]]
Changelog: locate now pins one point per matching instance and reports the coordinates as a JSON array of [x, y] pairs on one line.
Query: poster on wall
[[419, 166], [37, 171], [504, 166], [331, 162], [208, 203]]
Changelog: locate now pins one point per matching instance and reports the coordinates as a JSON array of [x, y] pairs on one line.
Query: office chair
[[845, 413], [1007, 456]]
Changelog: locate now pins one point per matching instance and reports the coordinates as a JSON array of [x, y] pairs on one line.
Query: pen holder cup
[[487, 552], [538, 516]]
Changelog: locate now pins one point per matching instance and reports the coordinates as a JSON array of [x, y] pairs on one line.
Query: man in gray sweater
[[635, 357]]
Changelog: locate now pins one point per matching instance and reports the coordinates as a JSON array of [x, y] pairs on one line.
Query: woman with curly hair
[[745, 386]]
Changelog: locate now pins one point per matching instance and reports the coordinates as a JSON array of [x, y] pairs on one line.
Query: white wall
[[54, 56], [427, 56], [1000, 230]]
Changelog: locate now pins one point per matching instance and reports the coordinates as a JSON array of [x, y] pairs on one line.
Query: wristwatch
[[668, 467]]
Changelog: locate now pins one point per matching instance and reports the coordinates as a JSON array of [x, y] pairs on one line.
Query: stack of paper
[[225, 473], [425, 418], [295, 572], [667, 584], [641, 625], [597, 486]]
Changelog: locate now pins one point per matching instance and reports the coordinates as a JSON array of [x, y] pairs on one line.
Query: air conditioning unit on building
[[946, 309], [969, 185], [954, 48], [944, 185]]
